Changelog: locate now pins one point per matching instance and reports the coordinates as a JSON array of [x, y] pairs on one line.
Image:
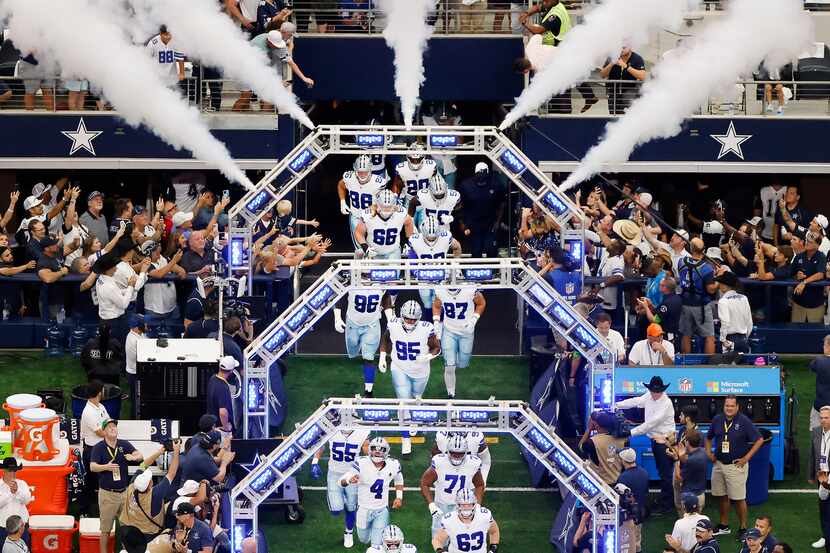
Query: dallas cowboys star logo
[[257, 459], [81, 138], [731, 142]]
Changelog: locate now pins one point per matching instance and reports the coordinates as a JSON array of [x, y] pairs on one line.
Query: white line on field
[[551, 490]]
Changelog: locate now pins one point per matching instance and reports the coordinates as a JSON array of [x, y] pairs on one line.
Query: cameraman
[[192, 535], [199, 463], [142, 515], [233, 327], [635, 478], [206, 315], [601, 448]]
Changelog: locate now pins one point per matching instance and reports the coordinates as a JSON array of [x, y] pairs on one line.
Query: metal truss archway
[[389, 415]]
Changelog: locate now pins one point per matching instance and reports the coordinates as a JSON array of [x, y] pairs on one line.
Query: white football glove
[[434, 511], [389, 313], [339, 324], [447, 219], [344, 208], [439, 328], [382, 362], [425, 358], [371, 252], [471, 324]]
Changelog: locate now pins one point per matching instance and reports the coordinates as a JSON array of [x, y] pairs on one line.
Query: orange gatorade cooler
[[90, 536], [52, 533], [48, 481], [39, 431], [15, 404]]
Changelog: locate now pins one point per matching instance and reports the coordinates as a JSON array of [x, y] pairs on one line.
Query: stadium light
[[300, 317], [257, 202], [554, 203], [540, 295], [384, 275], [562, 316], [443, 141], [474, 416], [512, 162], [240, 532], [376, 415], [286, 459], [431, 275], [321, 297], [584, 337], [424, 416], [562, 463], [478, 274], [237, 253], [256, 396], [310, 437], [276, 340], [301, 160], [539, 440], [606, 392], [370, 140]]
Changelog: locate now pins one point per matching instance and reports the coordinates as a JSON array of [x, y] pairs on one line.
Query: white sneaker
[[769, 108], [818, 544], [348, 540], [780, 110], [406, 446]]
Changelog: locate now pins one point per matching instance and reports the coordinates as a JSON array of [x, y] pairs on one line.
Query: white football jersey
[[457, 308], [769, 207], [343, 450], [468, 538], [164, 54], [452, 478], [415, 180], [373, 486], [359, 197], [474, 441], [437, 250], [364, 306], [405, 548], [407, 346], [440, 208], [384, 236]]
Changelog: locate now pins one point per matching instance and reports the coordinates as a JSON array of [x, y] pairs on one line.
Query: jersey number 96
[[366, 304]]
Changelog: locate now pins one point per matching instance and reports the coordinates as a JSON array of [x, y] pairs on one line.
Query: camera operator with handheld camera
[[601, 448], [142, 515], [631, 520], [207, 460]]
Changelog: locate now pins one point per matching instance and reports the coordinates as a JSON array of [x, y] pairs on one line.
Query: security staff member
[[735, 441], [819, 469], [219, 398], [658, 424], [735, 315], [483, 199], [602, 448]]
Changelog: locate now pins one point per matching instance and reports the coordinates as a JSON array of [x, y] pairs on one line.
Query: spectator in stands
[[9, 213], [667, 313], [735, 441], [192, 535], [653, 350], [5, 93], [820, 365], [483, 198], [142, 514], [15, 494], [163, 52], [611, 269], [199, 257], [123, 210], [34, 78], [15, 529], [795, 212], [7, 266], [636, 478], [288, 30], [697, 282], [109, 460], [113, 299], [683, 536], [767, 206], [583, 540], [231, 328], [752, 542], [806, 267], [782, 547], [160, 304], [537, 232], [205, 313], [219, 398], [658, 424], [600, 447], [270, 15], [50, 270], [209, 212], [775, 76], [36, 231], [735, 315], [630, 66], [78, 89], [243, 12], [206, 460], [74, 234], [196, 304], [286, 222], [124, 271], [277, 51], [93, 219], [615, 339]]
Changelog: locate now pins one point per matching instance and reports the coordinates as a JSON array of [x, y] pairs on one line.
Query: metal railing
[[749, 98]]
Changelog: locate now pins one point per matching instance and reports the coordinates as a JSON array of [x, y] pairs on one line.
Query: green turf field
[[525, 517]]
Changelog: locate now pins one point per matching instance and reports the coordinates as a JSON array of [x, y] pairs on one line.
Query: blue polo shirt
[[693, 472], [199, 537], [103, 454], [821, 366], [198, 465], [194, 309], [812, 296], [669, 312], [202, 328], [740, 433], [636, 478], [219, 397]]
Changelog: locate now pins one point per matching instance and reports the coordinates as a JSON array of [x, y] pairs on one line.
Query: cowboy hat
[[628, 231], [655, 384]]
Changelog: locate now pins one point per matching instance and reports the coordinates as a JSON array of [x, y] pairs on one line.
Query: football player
[[378, 232], [436, 200], [476, 445], [392, 542], [469, 529], [357, 190], [413, 174], [462, 308], [433, 242], [344, 448], [450, 472], [372, 475], [413, 344], [362, 328]]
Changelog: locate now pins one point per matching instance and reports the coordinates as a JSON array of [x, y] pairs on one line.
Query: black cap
[[47, 241], [729, 278], [703, 524], [185, 508], [207, 422]]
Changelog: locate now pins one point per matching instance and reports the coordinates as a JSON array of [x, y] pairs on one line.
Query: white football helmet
[[385, 204], [410, 311], [415, 157], [378, 449], [363, 168], [392, 539], [465, 502], [457, 449], [437, 187], [430, 229]]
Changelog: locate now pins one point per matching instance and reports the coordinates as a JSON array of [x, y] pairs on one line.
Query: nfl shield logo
[[685, 385], [570, 287]]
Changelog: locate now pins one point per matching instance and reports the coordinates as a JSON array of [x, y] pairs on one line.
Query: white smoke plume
[[601, 36], [407, 34], [201, 31], [85, 42], [772, 32]]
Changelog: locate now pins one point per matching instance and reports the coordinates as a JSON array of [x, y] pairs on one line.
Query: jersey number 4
[[455, 310], [377, 488], [470, 542], [366, 304], [385, 237], [341, 451], [407, 351]]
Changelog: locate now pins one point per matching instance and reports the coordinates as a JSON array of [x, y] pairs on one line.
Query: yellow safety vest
[[560, 11]]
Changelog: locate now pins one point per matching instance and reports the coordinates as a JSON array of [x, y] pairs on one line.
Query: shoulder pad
[[484, 510], [415, 236], [443, 232], [348, 174], [401, 164], [429, 161], [452, 192]]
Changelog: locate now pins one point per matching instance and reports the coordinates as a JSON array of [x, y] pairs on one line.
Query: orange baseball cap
[[654, 329]]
